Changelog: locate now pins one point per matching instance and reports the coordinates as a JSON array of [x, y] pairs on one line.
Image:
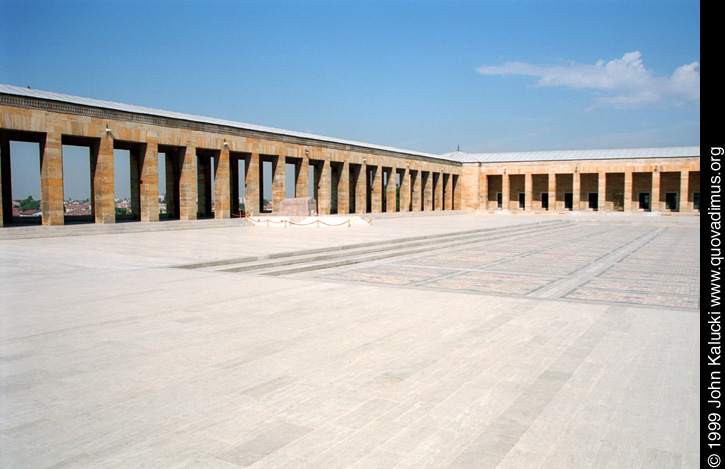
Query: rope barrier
[[347, 222]]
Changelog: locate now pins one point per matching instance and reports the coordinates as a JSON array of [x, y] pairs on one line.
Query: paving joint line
[[561, 288], [486, 267], [425, 249]]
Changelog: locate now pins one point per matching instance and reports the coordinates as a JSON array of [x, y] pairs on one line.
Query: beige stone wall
[[613, 185]]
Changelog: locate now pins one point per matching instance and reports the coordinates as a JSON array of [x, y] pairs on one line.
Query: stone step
[[351, 257], [87, 229], [376, 244], [250, 263]]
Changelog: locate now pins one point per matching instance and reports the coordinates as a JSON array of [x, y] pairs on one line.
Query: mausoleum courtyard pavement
[[448, 340]]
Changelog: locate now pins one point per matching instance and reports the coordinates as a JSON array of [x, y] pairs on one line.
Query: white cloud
[[619, 83]]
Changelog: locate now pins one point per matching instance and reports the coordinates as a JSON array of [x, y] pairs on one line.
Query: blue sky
[[429, 76]]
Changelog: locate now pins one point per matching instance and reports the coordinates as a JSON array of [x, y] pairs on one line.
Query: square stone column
[[576, 190], [438, 188], [361, 189], [390, 192], [148, 161], [656, 205], [102, 181], [505, 192], [377, 189], [405, 190], [602, 192], [187, 184], [528, 191], [343, 188], [279, 193], [323, 188], [552, 191], [252, 178], [685, 205], [628, 191], [417, 192], [448, 192], [302, 183], [427, 182], [51, 179], [222, 185], [482, 190]]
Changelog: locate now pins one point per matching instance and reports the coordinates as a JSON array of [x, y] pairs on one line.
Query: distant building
[[31, 213]]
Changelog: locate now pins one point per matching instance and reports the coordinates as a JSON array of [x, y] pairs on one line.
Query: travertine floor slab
[[111, 358]]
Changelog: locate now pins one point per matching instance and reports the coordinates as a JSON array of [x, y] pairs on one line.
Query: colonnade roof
[[133, 109], [457, 156], [574, 155]]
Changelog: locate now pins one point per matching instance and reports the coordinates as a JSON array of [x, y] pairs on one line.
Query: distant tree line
[[29, 204]]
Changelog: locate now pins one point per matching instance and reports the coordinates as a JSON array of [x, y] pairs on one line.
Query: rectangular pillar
[[102, 181], [390, 191], [187, 184], [323, 188], [376, 188], [656, 205], [252, 176], [685, 205], [427, 182], [278, 181], [576, 190], [51, 179], [447, 192], [302, 184], [438, 188], [528, 191], [552, 192], [222, 185], [416, 195], [505, 191], [343, 189], [405, 190], [148, 162], [602, 192], [627, 191], [482, 190], [361, 188]]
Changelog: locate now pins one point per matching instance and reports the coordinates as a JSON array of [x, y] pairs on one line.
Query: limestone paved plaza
[[561, 341]]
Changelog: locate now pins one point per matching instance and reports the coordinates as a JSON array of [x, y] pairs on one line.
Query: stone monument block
[[298, 207]]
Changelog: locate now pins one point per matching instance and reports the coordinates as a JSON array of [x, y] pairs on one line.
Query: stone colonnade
[[637, 184], [346, 178]]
